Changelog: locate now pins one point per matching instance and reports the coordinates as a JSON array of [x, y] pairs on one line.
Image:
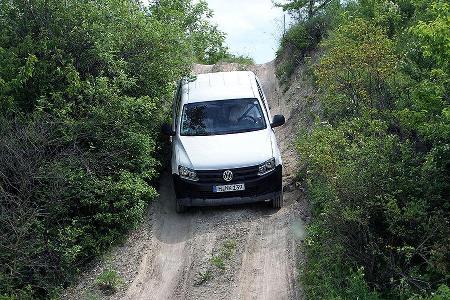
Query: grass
[[203, 277], [109, 281], [218, 262], [225, 253], [228, 248]]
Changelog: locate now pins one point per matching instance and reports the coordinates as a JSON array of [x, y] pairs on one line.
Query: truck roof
[[220, 86]]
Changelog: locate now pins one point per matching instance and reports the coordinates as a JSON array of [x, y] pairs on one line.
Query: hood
[[225, 151]]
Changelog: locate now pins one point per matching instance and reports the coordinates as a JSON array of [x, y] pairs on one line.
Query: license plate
[[229, 188]]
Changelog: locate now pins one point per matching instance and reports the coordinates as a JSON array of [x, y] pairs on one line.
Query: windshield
[[222, 117]]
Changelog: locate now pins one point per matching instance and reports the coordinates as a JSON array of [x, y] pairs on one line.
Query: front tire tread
[[277, 201], [179, 208]]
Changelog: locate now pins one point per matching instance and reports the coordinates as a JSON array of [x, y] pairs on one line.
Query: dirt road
[[238, 252]]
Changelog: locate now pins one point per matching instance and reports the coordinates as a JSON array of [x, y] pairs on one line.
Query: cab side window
[[176, 105], [263, 98]]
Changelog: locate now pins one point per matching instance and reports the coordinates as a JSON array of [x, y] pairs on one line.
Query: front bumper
[[264, 188]]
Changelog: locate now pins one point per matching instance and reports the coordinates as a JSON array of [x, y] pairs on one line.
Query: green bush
[[299, 40], [238, 59], [84, 87], [372, 209], [109, 281], [356, 69], [377, 164], [295, 44]]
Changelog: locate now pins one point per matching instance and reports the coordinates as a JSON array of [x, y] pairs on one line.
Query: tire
[[277, 201], [179, 208]]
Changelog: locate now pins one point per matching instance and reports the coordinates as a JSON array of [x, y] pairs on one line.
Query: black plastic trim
[[199, 194]]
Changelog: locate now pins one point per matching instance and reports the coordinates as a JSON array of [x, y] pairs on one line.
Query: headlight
[[187, 173], [266, 167]]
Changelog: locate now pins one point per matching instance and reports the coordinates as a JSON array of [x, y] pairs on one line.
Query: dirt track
[[238, 252]]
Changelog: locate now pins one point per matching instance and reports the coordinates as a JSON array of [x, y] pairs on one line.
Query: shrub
[[109, 281], [365, 187], [84, 87], [377, 164], [238, 59], [61, 205], [300, 39], [354, 72]]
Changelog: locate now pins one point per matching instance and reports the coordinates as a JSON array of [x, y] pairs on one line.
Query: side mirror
[[166, 129], [277, 121]]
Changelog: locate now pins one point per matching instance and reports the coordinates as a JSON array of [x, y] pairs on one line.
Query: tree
[[206, 40], [305, 8]]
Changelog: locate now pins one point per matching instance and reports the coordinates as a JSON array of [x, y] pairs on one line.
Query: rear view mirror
[[166, 129], [278, 120]]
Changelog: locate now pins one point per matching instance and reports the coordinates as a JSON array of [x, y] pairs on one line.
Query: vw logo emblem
[[228, 175]]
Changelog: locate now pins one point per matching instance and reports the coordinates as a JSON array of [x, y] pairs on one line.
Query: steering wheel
[[246, 117]]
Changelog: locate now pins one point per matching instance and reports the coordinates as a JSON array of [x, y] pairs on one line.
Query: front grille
[[260, 185], [239, 175]]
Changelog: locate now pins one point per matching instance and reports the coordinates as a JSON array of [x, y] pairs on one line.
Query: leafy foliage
[[305, 8], [84, 87], [302, 38], [225, 253], [378, 158], [359, 61], [238, 59], [109, 281]]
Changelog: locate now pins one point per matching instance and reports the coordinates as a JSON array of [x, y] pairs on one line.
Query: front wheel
[[179, 208], [277, 201]]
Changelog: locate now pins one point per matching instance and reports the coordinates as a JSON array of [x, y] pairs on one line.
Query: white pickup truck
[[224, 149]]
